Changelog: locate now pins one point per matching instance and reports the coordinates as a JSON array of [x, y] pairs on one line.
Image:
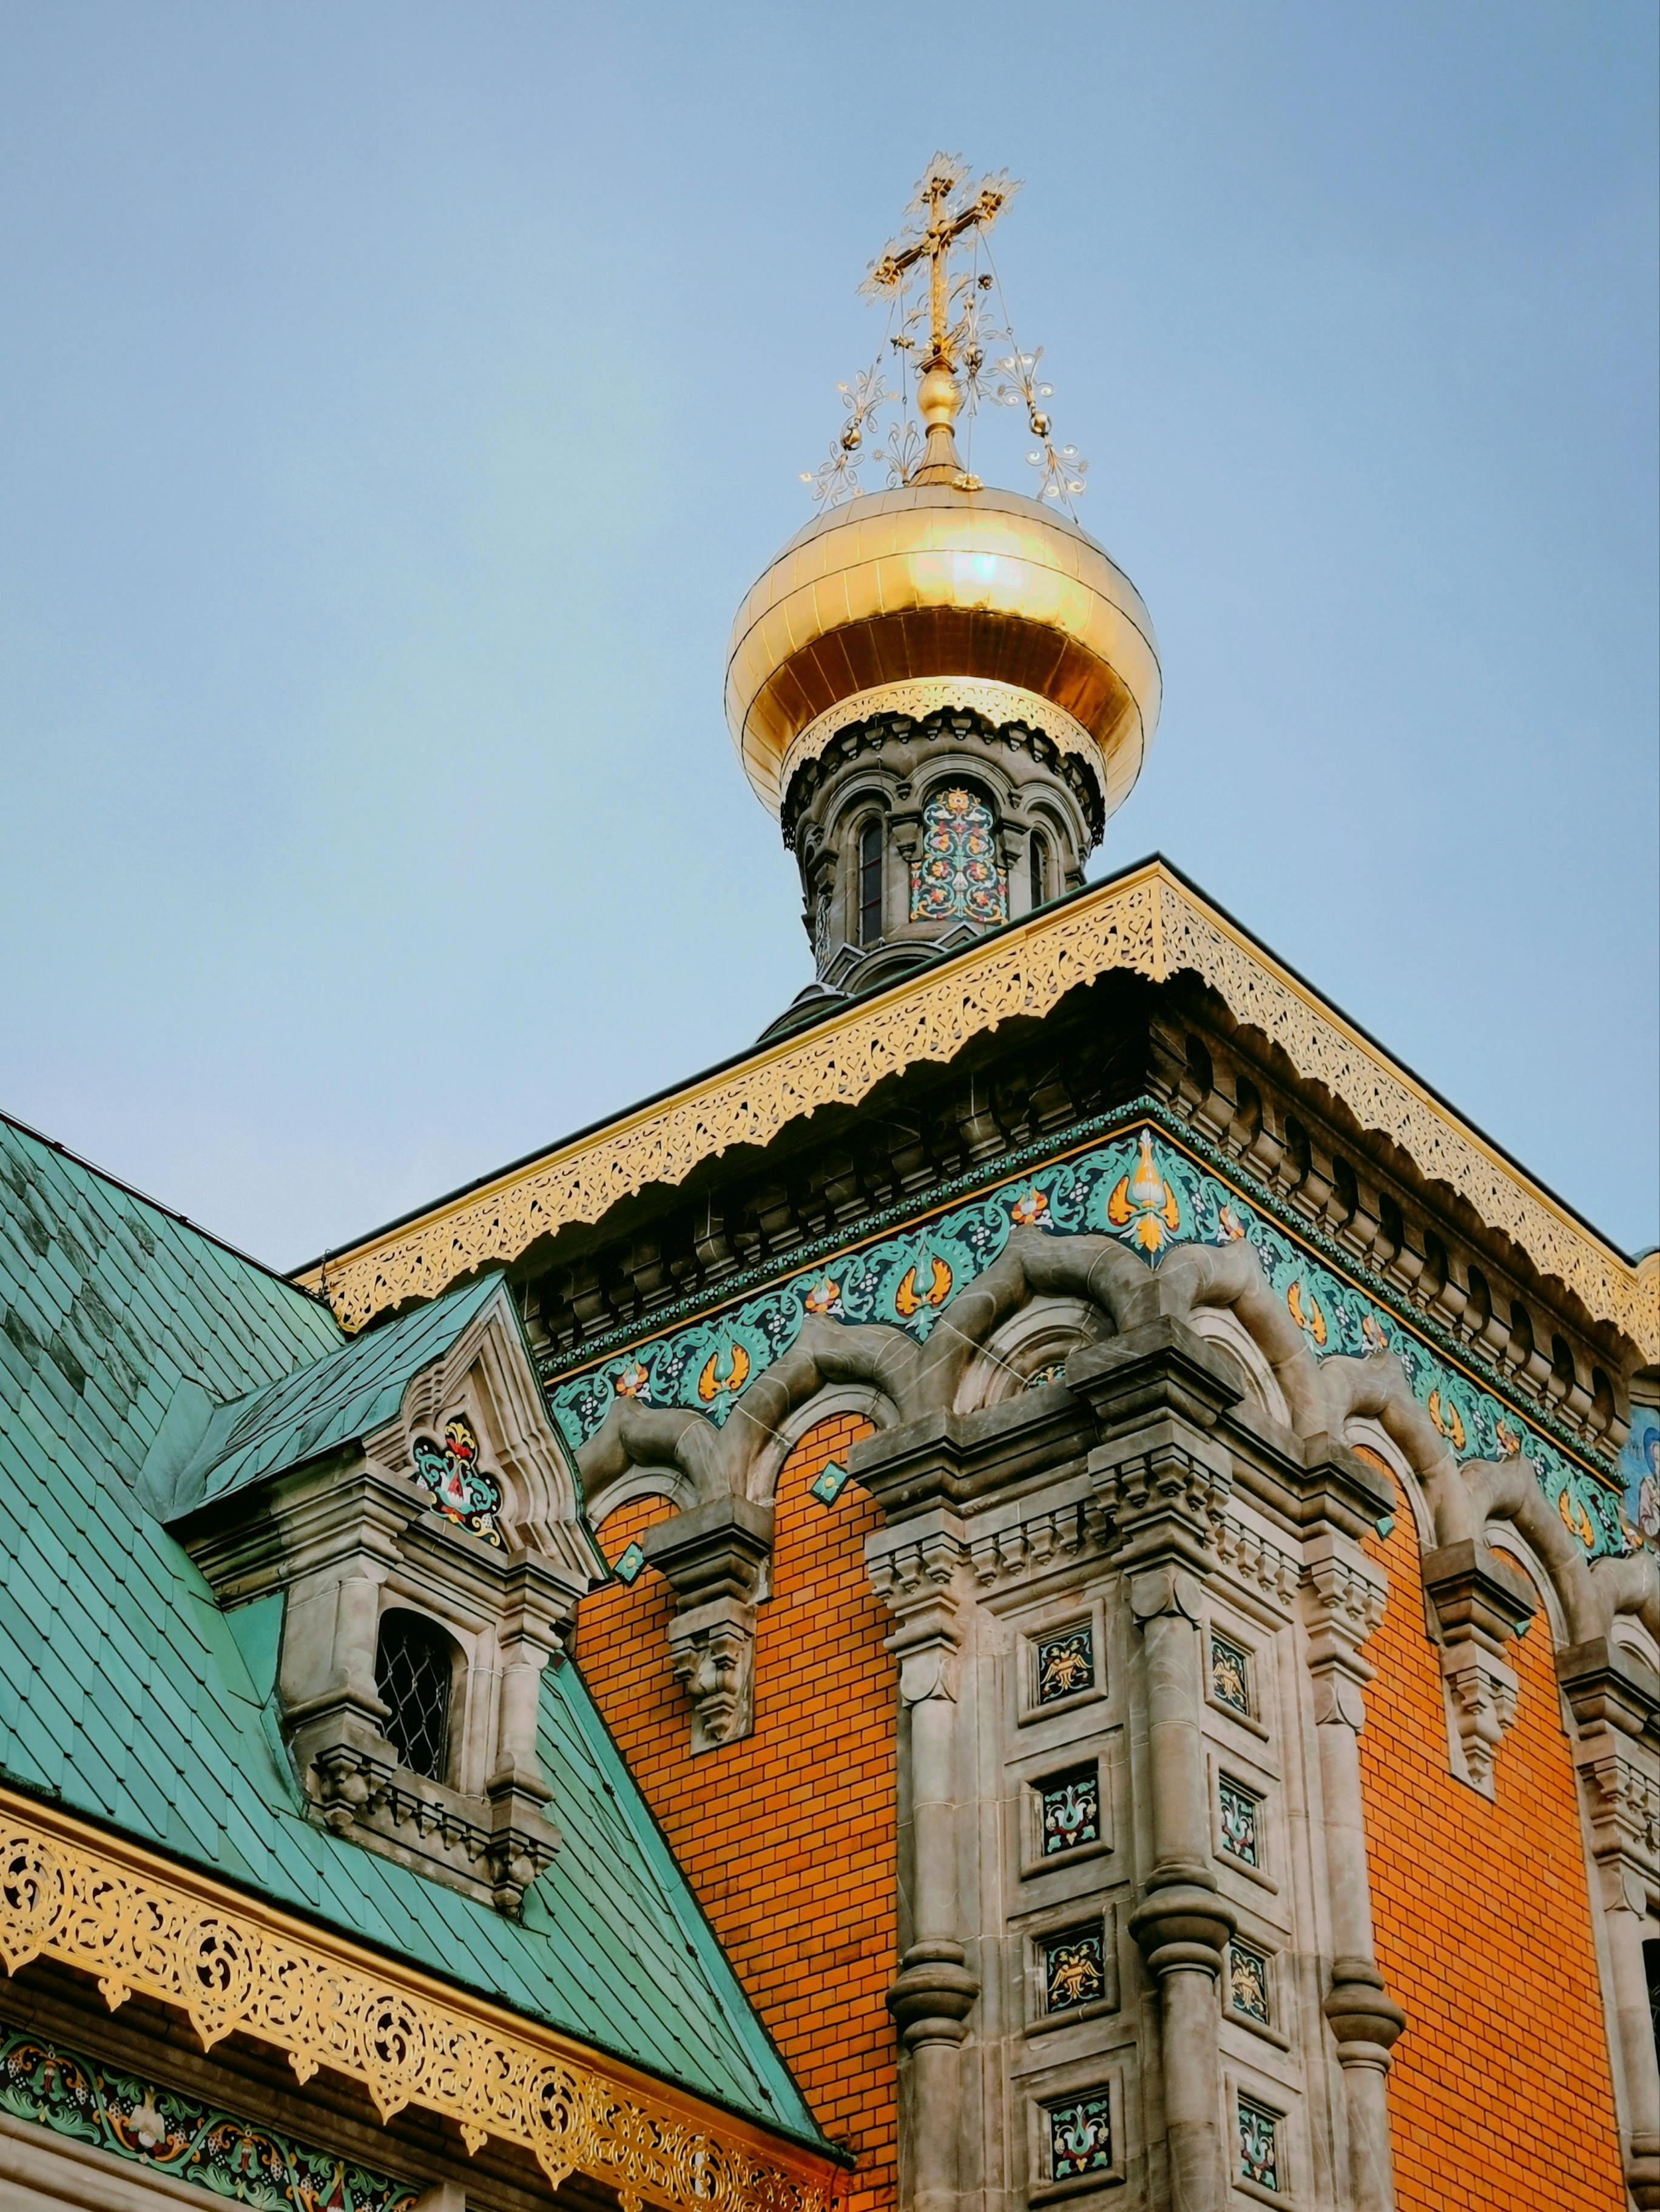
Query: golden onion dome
[[931, 590]]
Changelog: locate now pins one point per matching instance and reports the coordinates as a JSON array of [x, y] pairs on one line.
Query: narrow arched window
[[1040, 870], [413, 1671], [870, 882]]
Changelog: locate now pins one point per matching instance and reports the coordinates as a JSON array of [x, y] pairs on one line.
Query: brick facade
[[1501, 2092], [788, 1836]]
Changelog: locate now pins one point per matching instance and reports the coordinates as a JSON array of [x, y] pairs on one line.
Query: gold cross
[[946, 215]]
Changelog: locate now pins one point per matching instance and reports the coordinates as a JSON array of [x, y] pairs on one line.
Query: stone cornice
[[1147, 920], [141, 1924]]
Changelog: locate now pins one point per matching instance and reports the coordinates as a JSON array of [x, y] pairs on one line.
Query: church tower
[[941, 690]]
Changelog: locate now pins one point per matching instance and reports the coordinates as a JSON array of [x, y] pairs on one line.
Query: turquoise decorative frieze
[[1151, 1196], [165, 2132]]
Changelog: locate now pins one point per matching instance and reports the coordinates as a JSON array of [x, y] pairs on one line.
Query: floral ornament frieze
[[164, 2132], [1150, 1194], [144, 1927]]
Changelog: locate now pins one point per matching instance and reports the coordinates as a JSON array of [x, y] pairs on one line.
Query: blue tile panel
[[126, 1694]]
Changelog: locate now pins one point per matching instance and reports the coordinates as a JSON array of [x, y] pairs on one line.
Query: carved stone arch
[[667, 1482], [1364, 1433], [1221, 1326], [1041, 1334], [863, 1399]]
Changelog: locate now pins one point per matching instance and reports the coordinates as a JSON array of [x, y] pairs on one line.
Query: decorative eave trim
[[1147, 920], [141, 1924]]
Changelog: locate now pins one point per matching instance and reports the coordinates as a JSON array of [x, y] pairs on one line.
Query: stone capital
[[713, 1550]]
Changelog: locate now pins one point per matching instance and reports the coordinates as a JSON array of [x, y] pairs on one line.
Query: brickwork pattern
[[1501, 2092], [788, 1837]]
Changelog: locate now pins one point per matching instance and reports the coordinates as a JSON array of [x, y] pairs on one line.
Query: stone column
[[933, 1991], [1164, 1485], [1343, 1605], [1616, 1703]]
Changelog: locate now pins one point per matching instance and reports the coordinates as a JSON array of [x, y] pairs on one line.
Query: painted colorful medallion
[[1071, 1810], [1240, 1809], [1080, 2137], [957, 872], [1259, 2145], [1065, 1664], [1074, 1970], [1229, 1675], [1248, 1981], [461, 1491]]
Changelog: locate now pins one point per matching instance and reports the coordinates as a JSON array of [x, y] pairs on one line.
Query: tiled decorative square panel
[[1229, 1675], [1259, 2145], [1248, 1981], [1075, 1967], [1065, 1663], [1071, 1810], [1080, 2136], [1241, 1809], [829, 1483]]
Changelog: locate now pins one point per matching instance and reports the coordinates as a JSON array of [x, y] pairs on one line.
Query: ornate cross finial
[[949, 214], [945, 210]]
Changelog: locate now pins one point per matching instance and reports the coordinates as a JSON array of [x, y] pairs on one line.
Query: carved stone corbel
[[714, 1558], [1480, 1605]]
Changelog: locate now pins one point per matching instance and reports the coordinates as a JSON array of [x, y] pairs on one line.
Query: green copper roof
[[128, 1696]]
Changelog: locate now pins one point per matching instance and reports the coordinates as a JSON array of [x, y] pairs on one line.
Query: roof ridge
[[168, 1213]]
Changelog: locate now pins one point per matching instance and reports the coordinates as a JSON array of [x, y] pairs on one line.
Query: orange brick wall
[[1501, 2094], [788, 1837]]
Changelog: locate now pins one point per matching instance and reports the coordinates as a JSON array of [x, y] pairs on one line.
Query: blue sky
[[399, 398]]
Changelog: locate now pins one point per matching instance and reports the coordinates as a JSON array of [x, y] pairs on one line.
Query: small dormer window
[[414, 1670]]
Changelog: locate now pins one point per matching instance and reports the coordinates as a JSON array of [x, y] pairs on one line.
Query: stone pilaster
[[1616, 1703], [915, 1570], [1164, 1481], [1342, 1604]]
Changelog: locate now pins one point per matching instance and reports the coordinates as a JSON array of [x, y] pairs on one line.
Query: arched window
[[870, 882], [1039, 869], [958, 870], [413, 1671]]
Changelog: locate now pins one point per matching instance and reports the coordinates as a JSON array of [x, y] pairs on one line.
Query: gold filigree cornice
[[144, 1926], [1147, 920]]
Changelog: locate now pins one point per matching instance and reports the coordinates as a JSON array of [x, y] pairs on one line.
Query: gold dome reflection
[[937, 581]]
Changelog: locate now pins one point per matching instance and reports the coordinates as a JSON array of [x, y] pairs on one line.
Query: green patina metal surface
[[126, 1695]]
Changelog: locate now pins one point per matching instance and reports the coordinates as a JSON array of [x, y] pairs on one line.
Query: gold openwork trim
[[924, 694], [1147, 922], [141, 1925]]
